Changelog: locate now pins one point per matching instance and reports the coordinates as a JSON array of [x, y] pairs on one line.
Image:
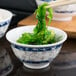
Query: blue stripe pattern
[[35, 62], [4, 23], [48, 0], [36, 49], [64, 11]]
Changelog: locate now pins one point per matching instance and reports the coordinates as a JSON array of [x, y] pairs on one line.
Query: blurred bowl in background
[[64, 13], [63, 16], [5, 19], [61, 13]]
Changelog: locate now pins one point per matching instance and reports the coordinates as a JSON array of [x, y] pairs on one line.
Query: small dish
[[61, 13], [5, 19], [35, 56], [64, 13]]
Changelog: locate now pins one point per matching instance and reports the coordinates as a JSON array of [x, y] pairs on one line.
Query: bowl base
[[37, 66]]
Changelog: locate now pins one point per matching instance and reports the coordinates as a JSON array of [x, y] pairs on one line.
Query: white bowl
[[61, 13], [35, 56], [5, 18], [64, 13]]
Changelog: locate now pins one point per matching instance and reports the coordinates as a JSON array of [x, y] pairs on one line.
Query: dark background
[[21, 8]]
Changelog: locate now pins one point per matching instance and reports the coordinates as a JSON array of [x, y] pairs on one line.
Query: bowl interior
[[14, 34]]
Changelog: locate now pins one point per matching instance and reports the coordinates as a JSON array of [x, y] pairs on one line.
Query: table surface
[[20, 70], [67, 26]]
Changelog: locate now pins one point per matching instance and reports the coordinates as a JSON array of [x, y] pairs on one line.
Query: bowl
[[64, 13], [61, 13], [5, 19], [35, 56]]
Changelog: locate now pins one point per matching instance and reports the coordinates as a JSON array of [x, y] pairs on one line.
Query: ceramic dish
[[64, 13], [61, 13], [35, 56], [5, 19]]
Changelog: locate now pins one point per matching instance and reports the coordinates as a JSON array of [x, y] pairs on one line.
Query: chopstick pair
[[60, 3]]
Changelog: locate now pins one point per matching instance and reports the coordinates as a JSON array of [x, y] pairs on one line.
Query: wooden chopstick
[[60, 3]]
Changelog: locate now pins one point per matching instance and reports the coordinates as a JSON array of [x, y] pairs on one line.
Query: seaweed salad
[[41, 35]]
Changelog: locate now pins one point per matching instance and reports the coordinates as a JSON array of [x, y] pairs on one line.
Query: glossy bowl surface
[[35, 56]]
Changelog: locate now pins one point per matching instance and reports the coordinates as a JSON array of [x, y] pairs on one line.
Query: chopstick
[[60, 3]]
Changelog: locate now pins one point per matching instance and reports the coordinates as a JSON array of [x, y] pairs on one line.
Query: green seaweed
[[41, 35]]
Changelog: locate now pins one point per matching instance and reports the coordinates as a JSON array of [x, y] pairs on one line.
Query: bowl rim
[[45, 45], [10, 15]]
